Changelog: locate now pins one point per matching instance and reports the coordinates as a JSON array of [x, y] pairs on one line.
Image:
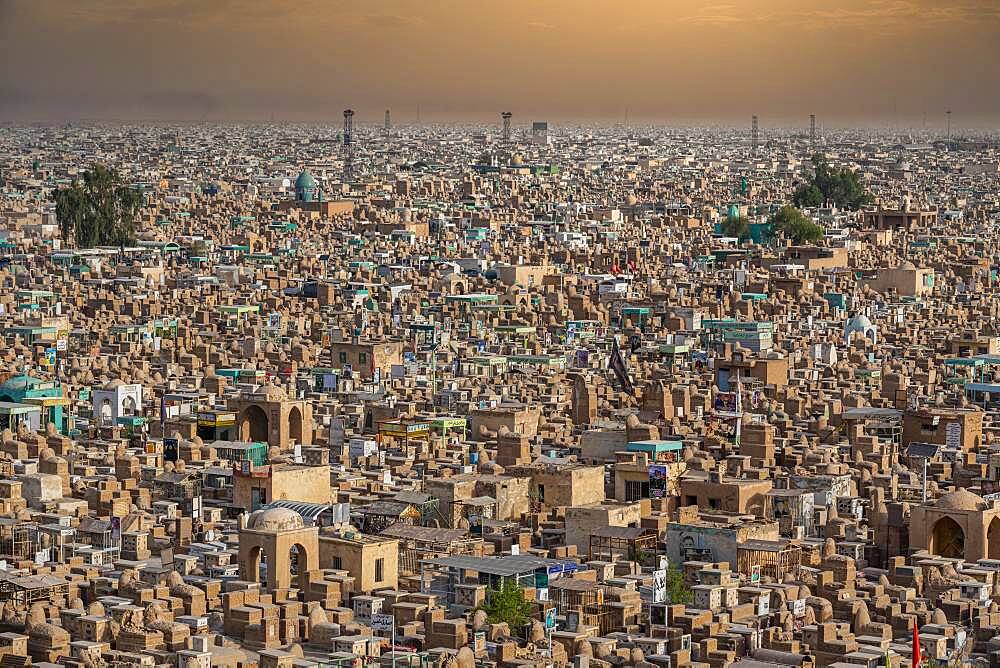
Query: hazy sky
[[848, 61]]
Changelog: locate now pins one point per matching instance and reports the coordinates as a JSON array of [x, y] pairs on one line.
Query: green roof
[[305, 180], [654, 446]]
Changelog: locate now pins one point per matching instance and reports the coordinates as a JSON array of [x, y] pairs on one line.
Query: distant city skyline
[[851, 62]]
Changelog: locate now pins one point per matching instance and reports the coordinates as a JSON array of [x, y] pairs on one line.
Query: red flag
[[916, 646]]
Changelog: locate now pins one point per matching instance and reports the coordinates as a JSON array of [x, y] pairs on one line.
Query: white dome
[[275, 519]]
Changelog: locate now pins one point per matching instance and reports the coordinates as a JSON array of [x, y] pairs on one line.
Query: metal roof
[[870, 412], [311, 512], [927, 450], [424, 534], [416, 498], [508, 566], [622, 533]]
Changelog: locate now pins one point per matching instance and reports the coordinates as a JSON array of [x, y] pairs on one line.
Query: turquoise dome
[[305, 187]]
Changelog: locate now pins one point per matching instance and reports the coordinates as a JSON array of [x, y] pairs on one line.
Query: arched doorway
[[298, 564], [295, 424], [254, 426], [993, 539], [256, 565], [106, 411], [948, 539]]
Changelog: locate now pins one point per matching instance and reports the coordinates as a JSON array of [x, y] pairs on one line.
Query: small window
[[363, 358], [343, 358], [379, 570], [338, 563]]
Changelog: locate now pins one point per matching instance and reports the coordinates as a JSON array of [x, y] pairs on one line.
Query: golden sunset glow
[[661, 60]]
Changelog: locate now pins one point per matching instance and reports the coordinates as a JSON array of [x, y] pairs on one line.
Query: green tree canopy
[[100, 211], [677, 589], [839, 187], [507, 604], [790, 222], [734, 226]]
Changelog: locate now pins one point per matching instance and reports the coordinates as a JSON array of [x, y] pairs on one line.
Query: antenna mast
[[348, 143]]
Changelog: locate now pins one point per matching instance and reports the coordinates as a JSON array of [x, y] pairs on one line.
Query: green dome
[[305, 180], [305, 187]]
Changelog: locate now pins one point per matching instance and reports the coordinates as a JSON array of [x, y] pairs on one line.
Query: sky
[[901, 62]]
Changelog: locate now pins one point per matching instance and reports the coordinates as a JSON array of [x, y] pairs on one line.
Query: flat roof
[[11, 408], [870, 412], [426, 534], [508, 566], [654, 446]]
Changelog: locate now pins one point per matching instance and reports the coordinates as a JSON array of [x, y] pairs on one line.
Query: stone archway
[[948, 539], [295, 425], [298, 565], [993, 539], [253, 561], [107, 412], [254, 425]]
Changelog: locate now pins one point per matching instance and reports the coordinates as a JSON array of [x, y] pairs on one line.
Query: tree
[[734, 226], [839, 187], [790, 222], [808, 195], [677, 589], [507, 605], [100, 211]]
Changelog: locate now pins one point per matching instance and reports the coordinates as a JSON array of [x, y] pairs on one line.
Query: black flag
[[617, 364]]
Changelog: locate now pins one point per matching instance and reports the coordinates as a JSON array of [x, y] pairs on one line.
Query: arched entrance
[[948, 539], [298, 565], [255, 559], [254, 425], [106, 411], [295, 424], [993, 539]]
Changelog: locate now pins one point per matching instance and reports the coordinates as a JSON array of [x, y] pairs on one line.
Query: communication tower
[[348, 143], [506, 116], [812, 128], [754, 134], [388, 123]]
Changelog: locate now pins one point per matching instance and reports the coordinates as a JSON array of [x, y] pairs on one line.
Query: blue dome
[[305, 187], [305, 180]]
